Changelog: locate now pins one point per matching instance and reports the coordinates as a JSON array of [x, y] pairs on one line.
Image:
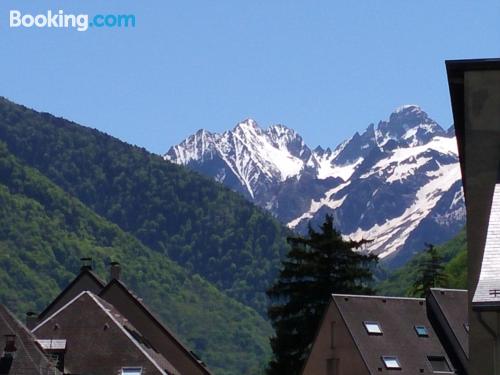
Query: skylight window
[[421, 331], [391, 362], [131, 371], [439, 363], [373, 328]]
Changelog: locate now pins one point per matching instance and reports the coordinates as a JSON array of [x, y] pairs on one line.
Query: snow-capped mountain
[[397, 183]]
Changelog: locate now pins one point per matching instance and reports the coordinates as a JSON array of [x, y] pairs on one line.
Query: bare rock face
[[398, 183]]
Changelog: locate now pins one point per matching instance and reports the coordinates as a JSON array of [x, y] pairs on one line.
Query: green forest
[[43, 234], [193, 220], [454, 255]]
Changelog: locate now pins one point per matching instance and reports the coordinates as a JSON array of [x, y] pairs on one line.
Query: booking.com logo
[[80, 22]]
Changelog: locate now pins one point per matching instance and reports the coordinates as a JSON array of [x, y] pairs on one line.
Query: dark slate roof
[[397, 318], [29, 358], [487, 294], [447, 310], [157, 322], [160, 362], [453, 305], [83, 272]]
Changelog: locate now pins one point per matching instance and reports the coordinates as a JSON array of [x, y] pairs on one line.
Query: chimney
[[115, 270], [31, 320], [86, 264], [10, 346]]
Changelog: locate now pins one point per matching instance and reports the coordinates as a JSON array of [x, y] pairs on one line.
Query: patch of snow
[[403, 170], [316, 205], [403, 160], [327, 169], [392, 235], [413, 107]]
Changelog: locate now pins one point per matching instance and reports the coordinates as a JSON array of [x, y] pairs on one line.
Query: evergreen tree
[[316, 266], [431, 272]]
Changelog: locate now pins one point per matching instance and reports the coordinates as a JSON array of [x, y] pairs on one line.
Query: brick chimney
[[31, 319], [10, 346], [86, 264], [115, 270]]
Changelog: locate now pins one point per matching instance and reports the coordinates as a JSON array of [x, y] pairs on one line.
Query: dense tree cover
[[430, 272], [198, 223], [44, 232], [317, 265], [454, 259]]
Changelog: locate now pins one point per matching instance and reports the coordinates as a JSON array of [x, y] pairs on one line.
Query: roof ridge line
[[103, 308], [61, 309], [375, 297]]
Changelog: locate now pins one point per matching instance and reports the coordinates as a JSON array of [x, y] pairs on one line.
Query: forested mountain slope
[[454, 254], [44, 232], [193, 220]]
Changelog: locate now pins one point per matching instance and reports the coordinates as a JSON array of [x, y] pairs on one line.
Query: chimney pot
[[86, 263], [31, 319], [115, 270]]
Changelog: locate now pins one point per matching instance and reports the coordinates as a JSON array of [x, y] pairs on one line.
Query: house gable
[[85, 280], [334, 350], [99, 340], [117, 294]]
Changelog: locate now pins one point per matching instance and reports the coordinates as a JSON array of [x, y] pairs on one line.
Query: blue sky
[[324, 68]]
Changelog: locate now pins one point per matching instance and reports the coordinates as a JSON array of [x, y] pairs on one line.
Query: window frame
[[366, 323], [130, 370], [395, 358], [450, 367], [420, 326], [332, 366]]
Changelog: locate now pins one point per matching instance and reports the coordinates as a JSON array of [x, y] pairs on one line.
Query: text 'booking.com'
[[79, 22]]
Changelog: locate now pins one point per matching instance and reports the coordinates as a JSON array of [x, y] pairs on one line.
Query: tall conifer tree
[[430, 272], [317, 265]]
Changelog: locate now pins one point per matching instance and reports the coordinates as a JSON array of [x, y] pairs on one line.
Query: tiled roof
[[487, 294], [397, 319], [157, 322], [29, 358], [161, 363], [136, 336], [453, 305]]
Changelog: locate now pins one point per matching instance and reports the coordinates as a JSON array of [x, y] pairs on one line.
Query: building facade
[[475, 97], [386, 335]]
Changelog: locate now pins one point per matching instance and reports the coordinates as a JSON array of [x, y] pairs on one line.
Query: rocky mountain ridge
[[397, 183]]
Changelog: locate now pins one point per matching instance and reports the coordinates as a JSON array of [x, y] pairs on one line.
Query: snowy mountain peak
[[408, 124], [408, 108], [398, 182], [194, 148], [248, 129], [247, 124]]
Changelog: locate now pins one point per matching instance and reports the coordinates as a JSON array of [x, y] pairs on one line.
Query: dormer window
[[421, 331], [439, 364], [373, 328], [131, 371], [391, 362]]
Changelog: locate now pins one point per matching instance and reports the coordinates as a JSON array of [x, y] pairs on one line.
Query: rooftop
[[29, 358], [407, 340], [487, 294]]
